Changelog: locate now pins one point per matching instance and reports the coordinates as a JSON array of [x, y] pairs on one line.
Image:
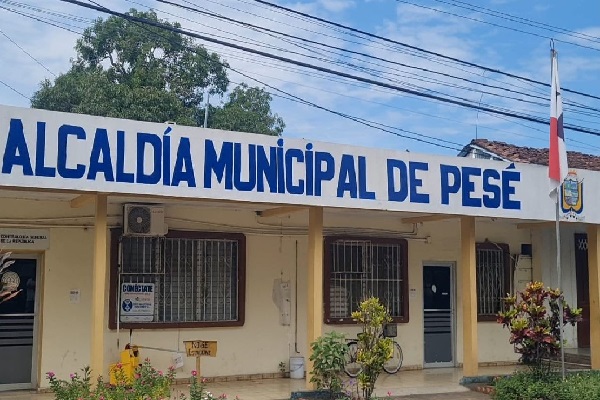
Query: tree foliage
[[126, 69]]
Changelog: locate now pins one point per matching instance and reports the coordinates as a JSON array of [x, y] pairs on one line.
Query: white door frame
[[38, 257], [452, 266]]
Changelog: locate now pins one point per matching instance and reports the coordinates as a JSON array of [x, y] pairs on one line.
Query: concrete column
[[593, 232], [315, 283], [99, 288], [468, 280]]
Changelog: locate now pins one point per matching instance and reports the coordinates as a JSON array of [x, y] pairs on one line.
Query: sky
[[511, 36]]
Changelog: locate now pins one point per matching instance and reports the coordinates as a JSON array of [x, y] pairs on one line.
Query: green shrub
[[328, 357], [532, 386]]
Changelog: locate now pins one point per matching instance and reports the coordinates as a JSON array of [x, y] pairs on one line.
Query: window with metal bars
[[198, 277], [493, 278], [358, 268]]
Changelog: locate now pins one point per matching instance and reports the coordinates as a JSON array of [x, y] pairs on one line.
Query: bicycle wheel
[[352, 366], [393, 365]]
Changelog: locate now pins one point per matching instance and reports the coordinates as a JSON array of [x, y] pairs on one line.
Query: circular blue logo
[[127, 305]]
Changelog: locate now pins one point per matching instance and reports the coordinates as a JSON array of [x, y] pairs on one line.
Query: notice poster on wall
[[137, 302]]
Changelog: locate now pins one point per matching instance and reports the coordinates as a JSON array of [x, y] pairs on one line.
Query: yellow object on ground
[[123, 371]]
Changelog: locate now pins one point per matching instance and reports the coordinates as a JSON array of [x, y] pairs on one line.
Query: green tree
[[125, 69], [248, 110]]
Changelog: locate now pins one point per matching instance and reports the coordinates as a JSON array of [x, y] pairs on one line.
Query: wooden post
[[198, 373], [468, 280], [593, 243], [315, 283], [99, 288]]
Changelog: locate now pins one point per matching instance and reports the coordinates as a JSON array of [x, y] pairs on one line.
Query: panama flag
[[557, 167]]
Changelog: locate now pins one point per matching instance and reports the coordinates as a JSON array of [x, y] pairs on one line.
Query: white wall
[[262, 342]]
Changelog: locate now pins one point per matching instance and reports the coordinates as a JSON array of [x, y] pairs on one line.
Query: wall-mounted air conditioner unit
[[144, 220]]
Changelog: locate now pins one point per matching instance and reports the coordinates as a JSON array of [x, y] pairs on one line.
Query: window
[[358, 268], [186, 279], [493, 279]]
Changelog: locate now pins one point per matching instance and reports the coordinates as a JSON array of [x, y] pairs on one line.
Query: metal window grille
[[491, 280], [195, 280], [360, 269]]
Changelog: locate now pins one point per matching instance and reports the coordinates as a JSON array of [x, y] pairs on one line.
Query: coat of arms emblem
[[572, 196]]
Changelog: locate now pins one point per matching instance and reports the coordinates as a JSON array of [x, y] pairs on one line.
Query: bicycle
[[352, 367]]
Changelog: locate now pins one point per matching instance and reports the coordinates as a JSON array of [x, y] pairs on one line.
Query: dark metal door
[[17, 323], [438, 316], [583, 289]]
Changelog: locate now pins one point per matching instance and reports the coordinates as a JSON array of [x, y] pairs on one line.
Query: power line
[[14, 90], [481, 21], [26, 52], [521, 20], [296, 98], [464, 62], [327, 70], [48, 21]]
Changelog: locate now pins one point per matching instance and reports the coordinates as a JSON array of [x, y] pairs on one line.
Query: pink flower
[[119, 365], [160, 373], [72, 376], [194, 373], [51, 374], [389, 394]]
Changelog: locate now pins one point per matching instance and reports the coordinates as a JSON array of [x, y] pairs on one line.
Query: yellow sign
[[197, 348]]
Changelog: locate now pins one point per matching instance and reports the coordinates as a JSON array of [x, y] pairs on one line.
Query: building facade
[[154, 234]]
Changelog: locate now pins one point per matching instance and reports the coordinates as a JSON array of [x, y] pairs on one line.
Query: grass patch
[[529, 386]]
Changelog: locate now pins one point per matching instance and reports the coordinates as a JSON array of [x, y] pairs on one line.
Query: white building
[[158, 234]]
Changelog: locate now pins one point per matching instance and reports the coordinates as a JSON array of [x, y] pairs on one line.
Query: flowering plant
[[147, 384], [198, 390]]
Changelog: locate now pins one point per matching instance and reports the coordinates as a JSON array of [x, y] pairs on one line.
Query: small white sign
[[74, 296], [24, 239], [137, 302]]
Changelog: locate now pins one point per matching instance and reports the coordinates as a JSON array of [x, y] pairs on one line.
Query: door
[[583, 289], [438, 310], [18, 324]]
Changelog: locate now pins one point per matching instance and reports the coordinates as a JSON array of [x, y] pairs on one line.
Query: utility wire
[[322, 69], [48, 21], [520, 20], [306, 102], [420, 49], [481, 21], [14, 90], [26, 52]]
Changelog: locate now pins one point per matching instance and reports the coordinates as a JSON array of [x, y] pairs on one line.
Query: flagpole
[[559, 274]]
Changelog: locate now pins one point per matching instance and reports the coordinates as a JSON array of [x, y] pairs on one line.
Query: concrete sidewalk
[[435, 384]]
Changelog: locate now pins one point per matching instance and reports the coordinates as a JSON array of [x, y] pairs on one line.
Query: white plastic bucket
[[297, 367]]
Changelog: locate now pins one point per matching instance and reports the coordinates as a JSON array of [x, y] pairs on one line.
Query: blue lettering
[[40, 153], [166, 151], [184, 167], [493, 200], [63, 137], [508, 190], [415, 183], [156, 146], [468, 187], [321, 174], [280, 165], [221, 165], [101, 149], [122, 176], [363, 193], [237, 168], [266, 168], [446, 187], [16, 152], [308, 156], [347, 178], [401, 193], [290, 155]]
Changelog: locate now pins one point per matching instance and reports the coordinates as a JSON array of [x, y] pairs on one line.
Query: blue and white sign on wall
[[51, 150], [137, 302]]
